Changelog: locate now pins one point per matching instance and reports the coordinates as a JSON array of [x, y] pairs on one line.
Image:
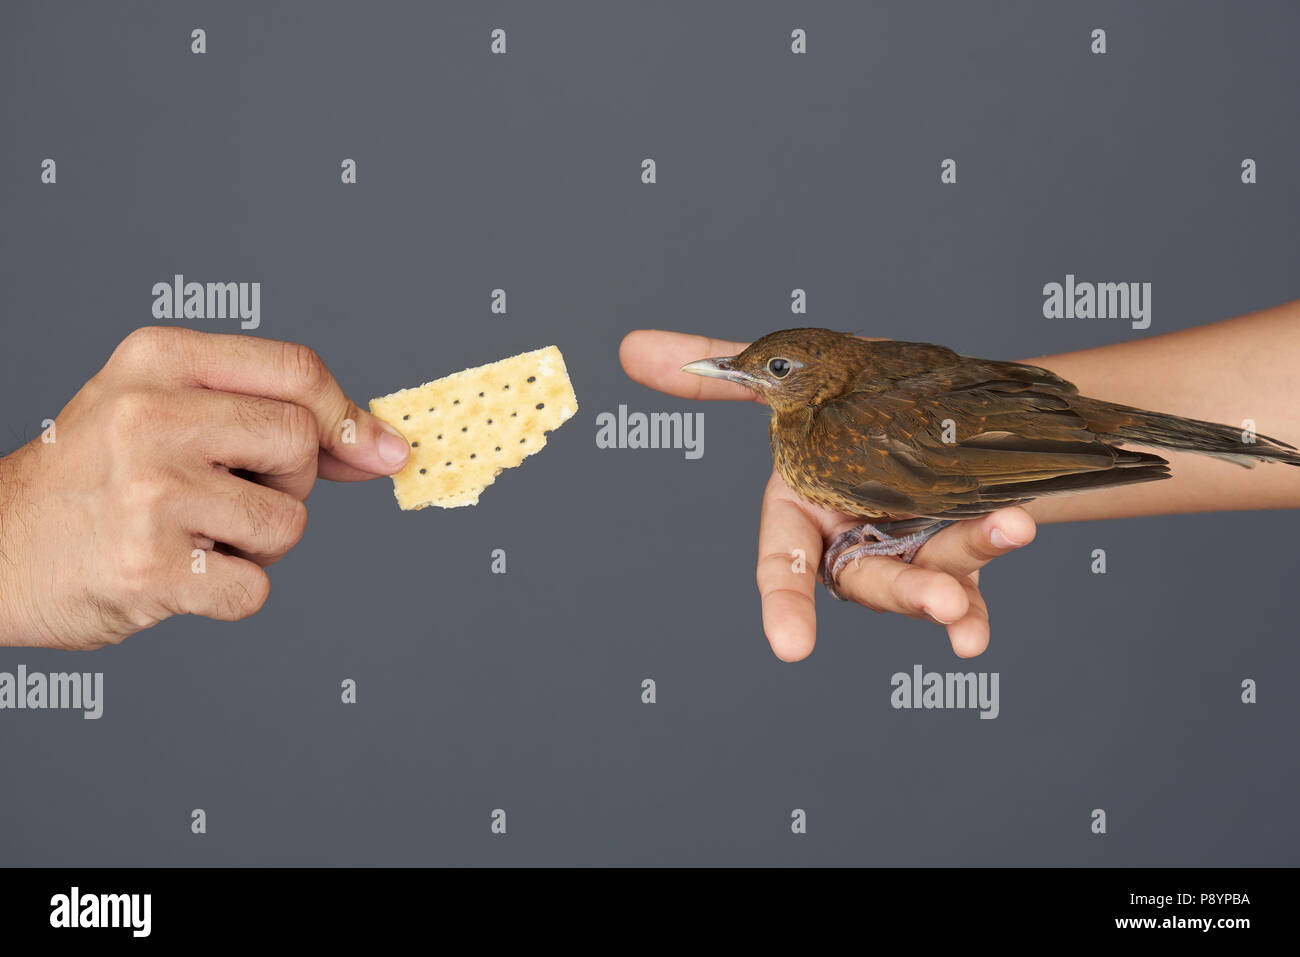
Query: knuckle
[[256, 510], [973, 546], [144, 342], [298, 433], [304, 367], [774, 569], [252, 413], [146, 495], [294, 522], [130, 413], [245, 596], [277, 517], [136, 567]]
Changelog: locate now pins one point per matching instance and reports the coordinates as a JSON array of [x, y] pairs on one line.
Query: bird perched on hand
[[910, 437]]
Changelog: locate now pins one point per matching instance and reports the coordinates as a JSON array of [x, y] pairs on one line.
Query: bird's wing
[[920, 367], [968, 440]]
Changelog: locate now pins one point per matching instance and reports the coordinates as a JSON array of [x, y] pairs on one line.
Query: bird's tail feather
[[1165, 431]]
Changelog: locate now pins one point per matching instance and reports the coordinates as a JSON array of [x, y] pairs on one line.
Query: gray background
[[521, 171]]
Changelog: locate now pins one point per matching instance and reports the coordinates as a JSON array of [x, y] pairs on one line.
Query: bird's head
[[790, 368]]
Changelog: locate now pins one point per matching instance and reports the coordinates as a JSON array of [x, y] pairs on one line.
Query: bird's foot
[[865, 540]]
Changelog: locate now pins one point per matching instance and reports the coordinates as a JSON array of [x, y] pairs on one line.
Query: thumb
[[359, 446]]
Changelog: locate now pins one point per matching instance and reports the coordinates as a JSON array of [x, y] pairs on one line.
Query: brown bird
[[910, 437]]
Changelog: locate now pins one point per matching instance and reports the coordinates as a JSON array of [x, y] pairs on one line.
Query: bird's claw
[[854, 545]]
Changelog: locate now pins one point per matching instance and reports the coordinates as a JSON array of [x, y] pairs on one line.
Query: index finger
[[655, 358], [289, 372]]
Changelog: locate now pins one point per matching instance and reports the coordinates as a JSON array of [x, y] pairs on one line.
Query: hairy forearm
[[1230, 371]]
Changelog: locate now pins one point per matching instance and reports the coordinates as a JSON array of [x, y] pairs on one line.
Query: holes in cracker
[[517, 426]]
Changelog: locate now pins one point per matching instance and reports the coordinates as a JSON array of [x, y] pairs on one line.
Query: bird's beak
[[720, 369]]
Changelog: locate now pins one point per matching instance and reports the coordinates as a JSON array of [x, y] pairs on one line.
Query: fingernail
[[936, 618], [1000, 540], [392, 447]]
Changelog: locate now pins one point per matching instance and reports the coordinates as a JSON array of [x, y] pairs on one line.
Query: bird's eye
[[779, 367]]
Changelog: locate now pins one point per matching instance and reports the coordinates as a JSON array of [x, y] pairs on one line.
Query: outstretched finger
[[655, 359]]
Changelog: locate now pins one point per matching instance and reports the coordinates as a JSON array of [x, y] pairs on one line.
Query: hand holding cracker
[[109, 522]]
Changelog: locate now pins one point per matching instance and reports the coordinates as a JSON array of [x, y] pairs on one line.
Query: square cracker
[[465, 428]]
